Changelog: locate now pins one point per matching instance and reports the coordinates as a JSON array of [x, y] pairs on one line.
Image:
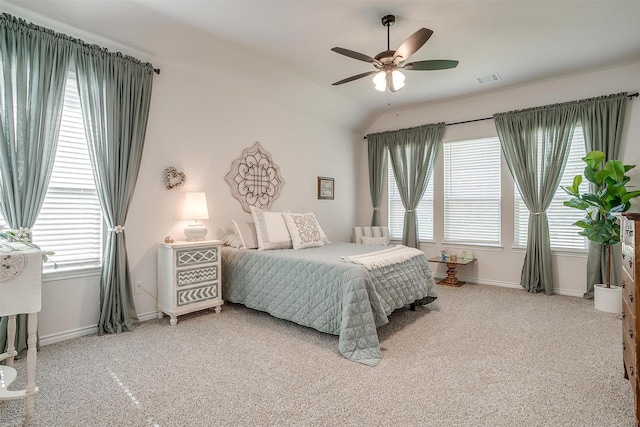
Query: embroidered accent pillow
[[375, 241], [246, 232], [304, 230], [271, 230]]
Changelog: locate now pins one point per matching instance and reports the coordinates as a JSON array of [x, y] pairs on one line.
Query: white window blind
[[563, 234], [396, 210], [472, 203], [70, 220]]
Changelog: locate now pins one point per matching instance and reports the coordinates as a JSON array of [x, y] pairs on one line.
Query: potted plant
[[602, 208]]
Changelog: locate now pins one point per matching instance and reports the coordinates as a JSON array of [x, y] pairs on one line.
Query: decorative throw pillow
[[376, 241], [232, 240], [325, 239], [304, 230], [271, 230], [246, 232]]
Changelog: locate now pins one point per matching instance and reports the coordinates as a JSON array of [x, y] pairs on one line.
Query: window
[[564, 235], [472, 192], [70, 220], [396, 210]]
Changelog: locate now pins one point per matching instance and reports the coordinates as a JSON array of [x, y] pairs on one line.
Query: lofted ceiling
[[519, 40]]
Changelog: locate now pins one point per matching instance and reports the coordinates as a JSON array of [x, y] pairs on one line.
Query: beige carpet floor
[[478, 356]]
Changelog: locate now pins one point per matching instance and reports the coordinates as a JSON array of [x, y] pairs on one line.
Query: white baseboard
[[67, 335], [87, 330], [558, 291]]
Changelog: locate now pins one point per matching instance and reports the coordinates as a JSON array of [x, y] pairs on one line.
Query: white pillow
[[271, 230], [246, 232], [325, 239], [375, 241], [232, 240], [304, 230]]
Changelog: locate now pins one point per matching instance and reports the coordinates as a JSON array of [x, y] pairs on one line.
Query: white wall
[[204, 113], [503, 266], [210, 102]]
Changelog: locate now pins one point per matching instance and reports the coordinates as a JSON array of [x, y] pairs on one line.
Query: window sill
[[71, 273], [479, 246], [578, 253]]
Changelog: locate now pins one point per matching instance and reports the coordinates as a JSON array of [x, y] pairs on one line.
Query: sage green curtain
[[413, 153], [377, 153], [34, 63], [602, 120], [115, 93], [535, 144]]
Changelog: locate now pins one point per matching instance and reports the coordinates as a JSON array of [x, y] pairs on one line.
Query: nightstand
[[188, 278]]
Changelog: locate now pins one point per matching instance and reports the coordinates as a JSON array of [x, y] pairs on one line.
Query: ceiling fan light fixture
[[380, 81], [387, 62], [397, 80]]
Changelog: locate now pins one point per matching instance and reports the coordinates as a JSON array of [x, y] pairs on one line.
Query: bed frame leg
[[412, 306]]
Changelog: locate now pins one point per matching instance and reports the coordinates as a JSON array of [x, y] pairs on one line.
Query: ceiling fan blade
[[356, 55], [356, 77], [433, 64], [412, 44]]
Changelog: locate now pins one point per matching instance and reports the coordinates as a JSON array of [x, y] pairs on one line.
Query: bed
[[343, 289]]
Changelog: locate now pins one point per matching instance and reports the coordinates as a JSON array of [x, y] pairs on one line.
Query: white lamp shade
[[195, 206]]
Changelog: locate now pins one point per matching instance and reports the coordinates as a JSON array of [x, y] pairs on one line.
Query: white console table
[[20, 293]]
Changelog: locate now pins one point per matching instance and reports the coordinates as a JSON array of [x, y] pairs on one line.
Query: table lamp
[[195, 208]]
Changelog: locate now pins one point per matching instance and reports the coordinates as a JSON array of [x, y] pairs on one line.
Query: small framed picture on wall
[[325, 188]]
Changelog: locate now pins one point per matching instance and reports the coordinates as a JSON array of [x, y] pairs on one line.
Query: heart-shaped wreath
[[173, 178]]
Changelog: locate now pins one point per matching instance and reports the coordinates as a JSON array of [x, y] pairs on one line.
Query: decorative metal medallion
[[11, 266], [255, 179]]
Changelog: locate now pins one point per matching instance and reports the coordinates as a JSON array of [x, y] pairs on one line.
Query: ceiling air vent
[[488, 79]]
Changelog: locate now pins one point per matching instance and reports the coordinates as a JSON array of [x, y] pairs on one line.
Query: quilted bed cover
[[314, 288]]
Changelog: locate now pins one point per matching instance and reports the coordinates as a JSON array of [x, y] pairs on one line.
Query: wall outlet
[[138, 287]]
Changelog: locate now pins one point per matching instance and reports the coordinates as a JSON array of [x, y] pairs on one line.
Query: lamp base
[[195, 231]]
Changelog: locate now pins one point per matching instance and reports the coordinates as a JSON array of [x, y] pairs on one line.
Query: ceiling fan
[[389, 62]]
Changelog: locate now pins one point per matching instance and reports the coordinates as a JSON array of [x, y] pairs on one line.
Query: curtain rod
[[630, 96]]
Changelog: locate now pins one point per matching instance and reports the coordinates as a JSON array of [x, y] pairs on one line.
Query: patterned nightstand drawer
[[195, 256], [192, 276], [194, 295]]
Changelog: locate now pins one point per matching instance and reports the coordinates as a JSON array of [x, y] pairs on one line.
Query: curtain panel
[[536, 143], [35, 62], [377, 155], [115, 95], [602, 120], [413, 153]]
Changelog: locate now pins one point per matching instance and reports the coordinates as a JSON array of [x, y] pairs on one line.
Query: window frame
[[81, 268], [577, 167], [445, 188]]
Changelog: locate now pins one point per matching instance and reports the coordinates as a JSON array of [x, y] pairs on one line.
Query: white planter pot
[[607, 299]]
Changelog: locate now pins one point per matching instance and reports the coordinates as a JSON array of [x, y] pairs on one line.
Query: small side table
[[452, 266], [20, 293], [189, 278]]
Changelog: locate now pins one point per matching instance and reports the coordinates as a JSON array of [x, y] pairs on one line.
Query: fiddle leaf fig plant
[[600, 224]]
